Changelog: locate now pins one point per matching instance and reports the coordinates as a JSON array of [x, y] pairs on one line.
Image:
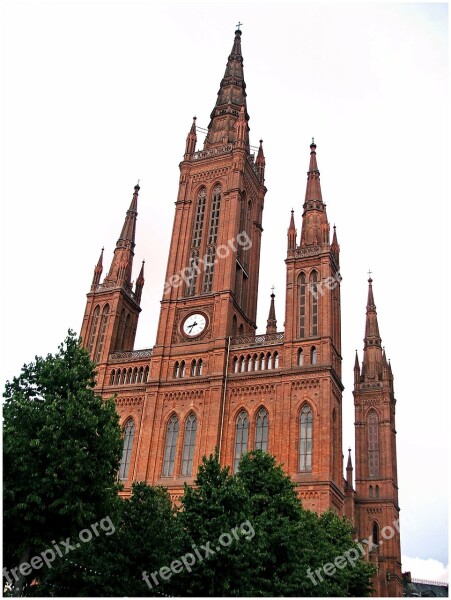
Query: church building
[[209, 381]]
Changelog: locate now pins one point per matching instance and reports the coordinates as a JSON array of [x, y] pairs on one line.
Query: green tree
[[113, 565], [287, 542], [216, 505], [62, 445]]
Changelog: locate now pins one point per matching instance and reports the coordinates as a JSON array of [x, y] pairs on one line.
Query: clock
[[194, 324]]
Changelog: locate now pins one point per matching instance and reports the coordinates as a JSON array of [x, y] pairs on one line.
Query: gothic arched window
[[300, 357], [146, 374], [200, 366], [193, 368], [242, 432], [313, 356], [261, 430], [196, 242], [276, 360], [129, 434], [176, 369], [126, 330], [375, 533], [188, 444], [120, 330], [305, 439], [102, 332], [212, 238], [313, 294], [302, 305], [172, 433], [182, 369], [112, 376], [95, 322], [373, 444]]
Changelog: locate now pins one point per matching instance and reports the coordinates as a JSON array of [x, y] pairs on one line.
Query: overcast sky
[[98, 94]]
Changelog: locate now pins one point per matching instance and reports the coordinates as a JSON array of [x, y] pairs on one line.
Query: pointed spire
[[313, 191], [315, 227], [356, 368], [139, 284], [97, 271], [121, 267], [231, 97], [191, 140], [292, 234], [271, 326], [334, 247], [372, 350], [349, 469], [372, 335], [129, 227], [260, 162]]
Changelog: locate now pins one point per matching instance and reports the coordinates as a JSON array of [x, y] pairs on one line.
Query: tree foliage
[[61, 445]]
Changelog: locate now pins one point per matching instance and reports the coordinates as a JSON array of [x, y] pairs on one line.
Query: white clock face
[[194, 324]]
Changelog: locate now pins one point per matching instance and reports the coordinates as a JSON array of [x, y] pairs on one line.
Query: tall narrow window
[[196, 242], [193, 368], [176, 369], [242, 431], [95, 323], [313, 356], [172, 433], [300, 357], [261, 431], [234, 325], [302, 305], [373, 444], [212, 238], [200, 366], [129, 434], [375, 534], [305, 439], [126, 330], [102, 332], [188, 445], [313, 293], [120, 330]]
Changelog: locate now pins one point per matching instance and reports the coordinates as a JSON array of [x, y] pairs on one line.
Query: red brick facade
[[209, 381]]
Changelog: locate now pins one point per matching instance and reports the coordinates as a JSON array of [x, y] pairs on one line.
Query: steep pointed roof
[[313, 191], [99, 265], [129, 227], [271, 326], [140, 280], [315, 226], [231, 97], [121, 266], [372, 335]]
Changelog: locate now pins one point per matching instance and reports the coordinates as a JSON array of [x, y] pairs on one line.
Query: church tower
[[377, 509], [313, 336], [113, 307], [210, 381]]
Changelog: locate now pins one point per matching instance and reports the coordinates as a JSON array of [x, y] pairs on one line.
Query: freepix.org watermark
[[329, 283], [200, 553], [208, 261], [351, 556], [59, 549]]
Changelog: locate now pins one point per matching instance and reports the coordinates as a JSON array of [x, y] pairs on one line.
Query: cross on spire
[[238, 25], [369, 273]]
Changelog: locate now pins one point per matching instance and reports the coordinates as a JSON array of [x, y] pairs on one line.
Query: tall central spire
[[231, 97]]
